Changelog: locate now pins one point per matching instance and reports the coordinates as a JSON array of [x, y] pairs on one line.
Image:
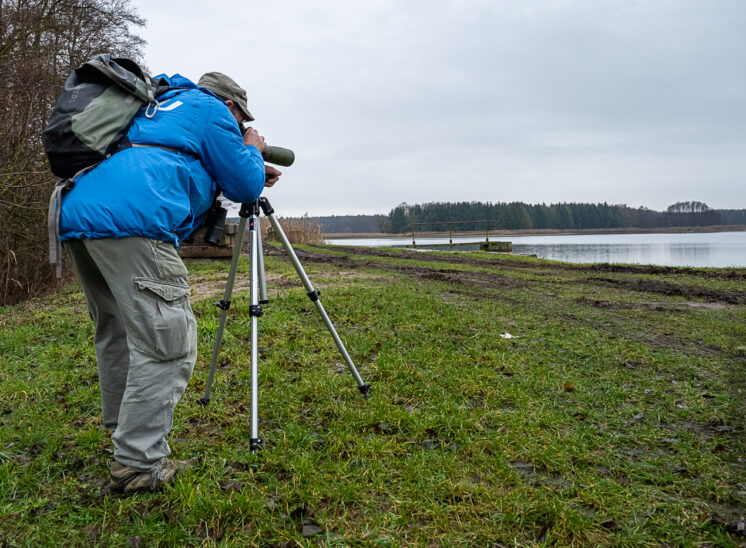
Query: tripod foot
[[203, 401], [255, 444], [364, 390]]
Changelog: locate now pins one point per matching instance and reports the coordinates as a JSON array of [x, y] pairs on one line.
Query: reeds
[[299, 230]]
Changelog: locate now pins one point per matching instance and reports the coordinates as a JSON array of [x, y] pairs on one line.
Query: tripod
[[258, 296]]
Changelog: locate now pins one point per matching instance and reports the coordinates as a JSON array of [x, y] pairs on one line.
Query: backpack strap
[[170, 149], [152, 101], [53, 223], [53, 217]]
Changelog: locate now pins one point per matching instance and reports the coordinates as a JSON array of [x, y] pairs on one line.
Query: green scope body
[[274, 155], [278, 155]]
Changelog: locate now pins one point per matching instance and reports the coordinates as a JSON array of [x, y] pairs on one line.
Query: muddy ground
[[357, 258], [617, 290]]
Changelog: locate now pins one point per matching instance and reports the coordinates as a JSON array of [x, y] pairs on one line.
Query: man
[[121, 224]]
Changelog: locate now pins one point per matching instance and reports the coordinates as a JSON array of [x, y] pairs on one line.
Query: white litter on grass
[[506, 335]]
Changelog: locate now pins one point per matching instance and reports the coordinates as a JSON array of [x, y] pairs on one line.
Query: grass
[[614, 416]]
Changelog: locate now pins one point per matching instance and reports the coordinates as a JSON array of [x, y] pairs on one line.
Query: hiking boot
[[125, 479]]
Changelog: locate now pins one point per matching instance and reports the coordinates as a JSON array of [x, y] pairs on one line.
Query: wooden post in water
[[450, 235], [414, 245], [487, 232]]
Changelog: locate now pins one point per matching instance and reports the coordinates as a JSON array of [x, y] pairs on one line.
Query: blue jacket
[[163, 194]]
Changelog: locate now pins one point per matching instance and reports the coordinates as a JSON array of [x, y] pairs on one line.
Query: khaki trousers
[[145, 339]]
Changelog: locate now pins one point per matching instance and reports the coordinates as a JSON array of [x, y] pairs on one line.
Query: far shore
[[541, 232]]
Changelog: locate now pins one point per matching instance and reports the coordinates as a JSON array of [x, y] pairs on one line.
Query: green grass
[[613, 417]]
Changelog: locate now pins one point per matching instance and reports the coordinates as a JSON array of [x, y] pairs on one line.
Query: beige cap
[[227, 89]]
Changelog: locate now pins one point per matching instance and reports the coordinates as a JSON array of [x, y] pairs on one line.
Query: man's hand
[[271, 175], [251, 137]]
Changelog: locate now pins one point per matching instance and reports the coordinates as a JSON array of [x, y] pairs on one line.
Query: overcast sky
[[618, 101]]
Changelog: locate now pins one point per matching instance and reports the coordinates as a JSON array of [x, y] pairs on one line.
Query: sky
[[620, 101]]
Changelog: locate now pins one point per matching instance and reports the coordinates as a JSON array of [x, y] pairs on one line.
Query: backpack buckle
[[155, 105]]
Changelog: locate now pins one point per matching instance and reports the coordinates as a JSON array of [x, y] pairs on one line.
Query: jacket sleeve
[[237, 168]]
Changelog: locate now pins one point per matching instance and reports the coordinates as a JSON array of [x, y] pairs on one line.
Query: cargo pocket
[[162, 310]]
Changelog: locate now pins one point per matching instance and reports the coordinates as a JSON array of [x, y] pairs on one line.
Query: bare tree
[[688, 207], [41, 42]]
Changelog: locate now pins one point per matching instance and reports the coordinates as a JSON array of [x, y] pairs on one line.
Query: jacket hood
[[177, 80]]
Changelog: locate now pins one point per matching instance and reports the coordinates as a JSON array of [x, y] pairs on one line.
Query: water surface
[[711, 249]]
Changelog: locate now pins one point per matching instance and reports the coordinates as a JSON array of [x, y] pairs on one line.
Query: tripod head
[[252, 208]]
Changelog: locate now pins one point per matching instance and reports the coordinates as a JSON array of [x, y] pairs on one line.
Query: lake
[[714, 249]]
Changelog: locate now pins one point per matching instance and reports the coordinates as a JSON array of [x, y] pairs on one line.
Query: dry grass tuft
[[298, 230]]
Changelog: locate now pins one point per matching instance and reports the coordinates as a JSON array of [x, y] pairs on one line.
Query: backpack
[[89, 123], [94, 111]]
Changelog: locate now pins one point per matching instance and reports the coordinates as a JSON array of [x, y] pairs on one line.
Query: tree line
[[469, 216], [464, 216], [41, 42]]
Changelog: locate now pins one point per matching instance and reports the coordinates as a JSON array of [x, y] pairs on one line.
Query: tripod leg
[[314, 296], [262, 281], [255, 310], [224, 305]]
